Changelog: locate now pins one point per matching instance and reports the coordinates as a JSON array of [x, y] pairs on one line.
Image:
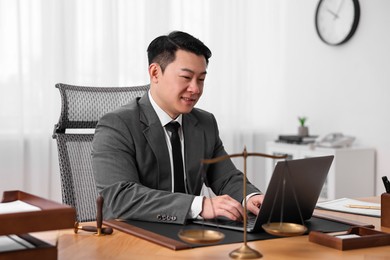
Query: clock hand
[[333, 13], [339, 8]]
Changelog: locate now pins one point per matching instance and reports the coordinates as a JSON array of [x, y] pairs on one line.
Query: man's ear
[[154, 72]]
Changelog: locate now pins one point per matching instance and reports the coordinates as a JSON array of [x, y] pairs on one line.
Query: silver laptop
[[302, 180]]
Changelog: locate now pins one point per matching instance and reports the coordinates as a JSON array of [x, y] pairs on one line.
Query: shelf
[[350, 163]]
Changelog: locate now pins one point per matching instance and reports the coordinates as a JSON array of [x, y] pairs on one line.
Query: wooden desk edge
[[147, 235]]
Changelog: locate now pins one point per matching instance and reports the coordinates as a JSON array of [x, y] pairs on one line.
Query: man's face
[[179, 88]]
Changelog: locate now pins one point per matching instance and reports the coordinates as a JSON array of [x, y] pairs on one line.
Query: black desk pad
[[170, 231]]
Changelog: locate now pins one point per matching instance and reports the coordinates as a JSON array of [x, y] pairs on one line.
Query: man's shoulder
[[126, 111], [201, 118], [201, 114], [130, 107]]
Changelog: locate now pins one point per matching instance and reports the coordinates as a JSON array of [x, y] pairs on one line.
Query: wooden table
[[123, 246]]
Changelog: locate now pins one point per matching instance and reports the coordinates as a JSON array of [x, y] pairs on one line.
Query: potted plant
[[303, 130]]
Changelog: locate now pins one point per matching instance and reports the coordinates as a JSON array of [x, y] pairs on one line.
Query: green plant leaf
[[302, 120]]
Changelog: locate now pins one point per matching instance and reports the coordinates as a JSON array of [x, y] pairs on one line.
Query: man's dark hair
[[162, 49]]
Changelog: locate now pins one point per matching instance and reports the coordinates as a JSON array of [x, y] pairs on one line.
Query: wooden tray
[[354, 238], [52, 215], [42, 250]]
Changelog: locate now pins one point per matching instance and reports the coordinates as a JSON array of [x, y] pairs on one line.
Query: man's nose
[[194, 87]]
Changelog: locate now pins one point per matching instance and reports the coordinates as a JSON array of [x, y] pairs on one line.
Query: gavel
[[103, 231], [99, 231]]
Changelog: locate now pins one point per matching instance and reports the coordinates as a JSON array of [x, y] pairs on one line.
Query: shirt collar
[[162, 115]]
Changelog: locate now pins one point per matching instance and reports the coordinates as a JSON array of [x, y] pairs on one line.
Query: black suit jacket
[[132, 166]]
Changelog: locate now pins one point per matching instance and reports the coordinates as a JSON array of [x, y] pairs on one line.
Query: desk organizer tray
[[354, 238], [38, 250], [49, 215], [52, 215]]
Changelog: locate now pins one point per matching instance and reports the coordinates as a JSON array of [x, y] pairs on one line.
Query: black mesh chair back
[[81, 108]]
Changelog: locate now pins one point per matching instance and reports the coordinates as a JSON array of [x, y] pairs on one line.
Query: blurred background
[[268, 67]]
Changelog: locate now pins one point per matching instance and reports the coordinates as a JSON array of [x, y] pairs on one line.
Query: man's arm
[[224, 179]]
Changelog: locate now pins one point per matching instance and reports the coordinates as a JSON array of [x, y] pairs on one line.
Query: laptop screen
[[294, 189]]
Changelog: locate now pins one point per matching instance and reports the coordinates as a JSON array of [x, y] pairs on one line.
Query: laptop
[[293, 183]]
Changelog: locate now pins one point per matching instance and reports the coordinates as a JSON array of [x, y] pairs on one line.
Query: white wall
[[343, 88], [339, 88], [266, 54]]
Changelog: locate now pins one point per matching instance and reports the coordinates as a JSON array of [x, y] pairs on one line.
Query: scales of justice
[[208, 236]]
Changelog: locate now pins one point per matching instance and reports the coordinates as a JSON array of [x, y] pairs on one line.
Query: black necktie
[[177, 157]]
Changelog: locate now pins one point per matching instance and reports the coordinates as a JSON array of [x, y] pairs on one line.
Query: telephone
[[335, 140]]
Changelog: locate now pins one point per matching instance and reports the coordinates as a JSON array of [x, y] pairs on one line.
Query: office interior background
[[268, 67]]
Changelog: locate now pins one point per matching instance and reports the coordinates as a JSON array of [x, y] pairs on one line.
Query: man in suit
[[133, 157]]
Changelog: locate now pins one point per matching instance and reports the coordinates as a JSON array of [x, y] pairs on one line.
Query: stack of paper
[[352, 206], [13, 242], [16, 207]]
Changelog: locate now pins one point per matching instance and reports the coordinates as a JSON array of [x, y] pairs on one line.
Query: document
[[16, 207], [352, 206], [12, 243]]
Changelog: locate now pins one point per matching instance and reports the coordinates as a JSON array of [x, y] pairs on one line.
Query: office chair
[[81, 108]]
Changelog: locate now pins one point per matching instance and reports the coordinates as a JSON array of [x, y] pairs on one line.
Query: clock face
[[337, 20]]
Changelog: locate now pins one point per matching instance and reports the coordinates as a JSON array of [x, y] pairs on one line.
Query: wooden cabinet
[[351, 175]]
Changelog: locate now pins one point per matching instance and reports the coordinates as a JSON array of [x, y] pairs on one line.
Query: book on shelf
[[297, 139]]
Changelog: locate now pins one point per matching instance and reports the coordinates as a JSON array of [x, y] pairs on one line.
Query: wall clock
[[337, 20]]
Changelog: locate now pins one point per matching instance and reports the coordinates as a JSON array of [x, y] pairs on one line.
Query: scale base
[[245, 252]]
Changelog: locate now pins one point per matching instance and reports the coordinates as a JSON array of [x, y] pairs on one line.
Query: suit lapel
[[155, 136]]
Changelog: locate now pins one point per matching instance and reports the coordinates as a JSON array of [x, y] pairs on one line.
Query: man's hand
[[253, 204], [222, 206]]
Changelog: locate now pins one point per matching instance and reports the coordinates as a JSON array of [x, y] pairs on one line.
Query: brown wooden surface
[[42, 250], [120, 245], [52, 215], [147, 235], [367, 238], [385, 210]]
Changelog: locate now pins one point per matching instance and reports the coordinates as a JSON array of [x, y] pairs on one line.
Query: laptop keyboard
[[251, 219]]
